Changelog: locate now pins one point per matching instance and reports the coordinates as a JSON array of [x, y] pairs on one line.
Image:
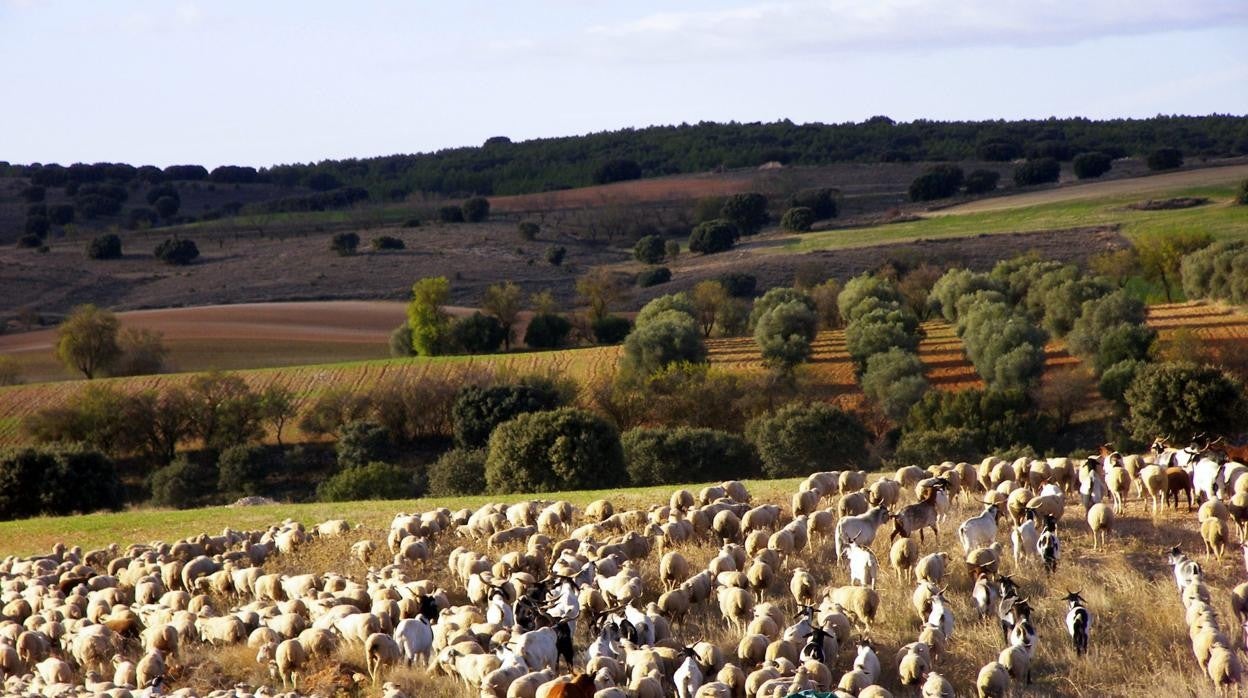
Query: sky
[[262, 82]]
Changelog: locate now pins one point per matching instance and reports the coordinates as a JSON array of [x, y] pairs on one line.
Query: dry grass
[[1139, 641]]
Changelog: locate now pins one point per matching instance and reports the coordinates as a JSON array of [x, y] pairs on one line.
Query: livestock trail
[[829, 376]]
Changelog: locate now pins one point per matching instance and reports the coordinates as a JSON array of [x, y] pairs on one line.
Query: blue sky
[[261, 82]]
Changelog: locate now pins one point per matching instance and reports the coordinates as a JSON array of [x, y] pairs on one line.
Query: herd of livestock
[[541, 600]]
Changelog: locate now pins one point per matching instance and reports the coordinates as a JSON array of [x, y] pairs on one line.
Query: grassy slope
[[31, 536], [1220, 218]]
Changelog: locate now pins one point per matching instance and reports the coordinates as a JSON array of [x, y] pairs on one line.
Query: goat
[[861, 528], [979, 531], [1048, 545], [1186, 570], [917, 517], [1078, 622]]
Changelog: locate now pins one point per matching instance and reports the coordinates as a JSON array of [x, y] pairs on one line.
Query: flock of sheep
[[539, 600]]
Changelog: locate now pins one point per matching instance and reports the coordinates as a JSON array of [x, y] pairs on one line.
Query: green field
[[1220, 217], [31, 536]]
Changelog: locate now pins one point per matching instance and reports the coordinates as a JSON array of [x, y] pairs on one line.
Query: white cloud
[[769, 29]]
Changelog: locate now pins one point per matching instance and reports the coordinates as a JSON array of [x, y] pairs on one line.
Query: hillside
[[829, 375]]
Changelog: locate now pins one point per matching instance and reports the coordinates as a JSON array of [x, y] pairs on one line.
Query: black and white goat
[[1048, 545], [1186, 570], [1078, 622]]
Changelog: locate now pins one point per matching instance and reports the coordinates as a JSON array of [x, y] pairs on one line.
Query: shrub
[[1182, 399], [176, 251], [850, 300], [776, 297], [61, 214], [428, 322], [555, 255], [784, 333], [668, 337], [30, 241], [478, 410], [894, 380], [798, 219], [242, 469], [1117, 378], [649, 250], [1242, 196], [998, 151], [739, 284], [565, 449], [748, 212], [799, 439], [1101, 315], [104, 247], [143, 353], [412, 223], [140, 218], [1124, 342], [1006, 348], [38, 225], [344, 243], [476, 209], [1000, 418], [653, 277], [927, 447], [956, 284], [618, 170], [56, 481], [1042, 171], [1165, 159], [672, 249], [373, 481], [611, 329], [458, 472], [451, 214], [669, 456], [1092, 165], [939, 182], [361, 442], [982, 181], [528, 230], [323, 181], [713, 236], [672, 301], [387, 242], [547, 331], [477, 334], [166, 207], [33, 194], [820, 201], [182, 484], [401, 342]]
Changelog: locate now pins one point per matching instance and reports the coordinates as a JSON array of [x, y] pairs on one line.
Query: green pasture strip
[[37, 535]]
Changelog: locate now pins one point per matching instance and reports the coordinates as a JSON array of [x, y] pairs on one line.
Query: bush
[[748, 212], [894, 380], [61, 214], [528, 230], [166, 207], [182, 484], [458, 472], [821, 201], [451, 214], [176, 251], [713, 236], [653, 277], [739, 284], [57, 481], [1006, 348], [1042, 171], [344, 243], [476, 209], [672, 249], [649, 250], [38, 225], [104, 247], [361, 442], [1242, 196], [784, 333], [982, 181], [928, 447], [850, 300], [1092, 165], [387, 242], [143, 353], [998, 151], [1000, 418], [373, 481], [798, 219], [672, 301], [1124, 343], [611, 329], [957, 284], [412, 223], [1182, 399], [401, 342], [776, 297], [668, 337], [565, 449], [619, 170], [669, 456], [323, 181], [1101, 315], [799, 439], [1165, 159], [31, 241], [140, 218], [477, 334], [547, 331], [555, 255], [1117, 378], [939, 182], [478, 410], [33, 194], [241, 469]]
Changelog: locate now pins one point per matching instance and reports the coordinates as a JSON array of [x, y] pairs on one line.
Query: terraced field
[[829, 375]]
